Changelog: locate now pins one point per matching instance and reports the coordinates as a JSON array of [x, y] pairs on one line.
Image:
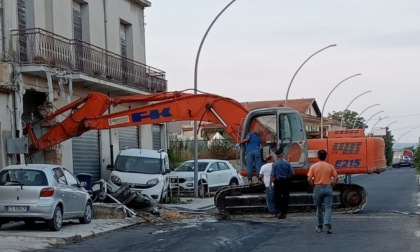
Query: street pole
[[398, 142], [342, 116], [373, 116], [380, 119], [287, 93], [390, 124], [354, 124], [195, 92], [323, 107]]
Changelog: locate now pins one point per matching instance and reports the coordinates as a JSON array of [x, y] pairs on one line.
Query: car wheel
[[87, 216], [56, 222], [233, 182], [29, 222]]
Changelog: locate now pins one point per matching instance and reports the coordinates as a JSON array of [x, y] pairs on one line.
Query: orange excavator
[[279, 127]]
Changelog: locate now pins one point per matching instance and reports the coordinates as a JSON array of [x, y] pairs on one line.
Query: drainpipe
[[3, 34], [111, 146], [17, 111], [105, 26]]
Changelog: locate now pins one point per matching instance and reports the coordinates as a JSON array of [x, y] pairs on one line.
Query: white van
[[146, 171]]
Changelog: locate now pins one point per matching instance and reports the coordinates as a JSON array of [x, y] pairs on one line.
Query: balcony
[[40, 47]]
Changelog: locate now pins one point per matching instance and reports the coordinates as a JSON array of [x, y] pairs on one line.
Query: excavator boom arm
[[88, 114]]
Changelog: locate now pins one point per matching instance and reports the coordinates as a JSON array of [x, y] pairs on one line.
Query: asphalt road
[[390, 222]]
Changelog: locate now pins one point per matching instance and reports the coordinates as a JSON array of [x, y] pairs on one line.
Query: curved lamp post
[[354, 124], [342, 116], [380, 119], [390, 124], [195, 92], [290, 84], [322, 112], [398, 142], [373, 116], [407, 128]]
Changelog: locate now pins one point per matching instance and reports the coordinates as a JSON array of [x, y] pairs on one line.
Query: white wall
[[123, 10]]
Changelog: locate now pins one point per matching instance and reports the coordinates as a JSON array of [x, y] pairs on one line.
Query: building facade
[[55, 52]]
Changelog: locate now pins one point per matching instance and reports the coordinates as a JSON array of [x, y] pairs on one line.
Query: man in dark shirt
[[280, 176]]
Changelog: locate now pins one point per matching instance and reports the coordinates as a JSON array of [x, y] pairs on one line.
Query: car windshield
[[23, 177], [189, 166], [138, 165]]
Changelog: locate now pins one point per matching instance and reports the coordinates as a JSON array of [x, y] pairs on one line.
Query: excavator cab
[[279, 127]]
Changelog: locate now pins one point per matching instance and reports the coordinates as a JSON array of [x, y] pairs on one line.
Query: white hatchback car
[[144, 170], [212, 174], [51, 193]]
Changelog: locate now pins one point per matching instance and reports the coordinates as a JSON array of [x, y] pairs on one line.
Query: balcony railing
[[38, 46]]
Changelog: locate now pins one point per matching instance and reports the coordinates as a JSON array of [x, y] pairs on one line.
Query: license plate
[[17, 209]]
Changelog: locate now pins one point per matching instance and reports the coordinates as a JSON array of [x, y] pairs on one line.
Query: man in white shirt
[[269, 192]]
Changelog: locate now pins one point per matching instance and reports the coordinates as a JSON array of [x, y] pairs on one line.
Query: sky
[[255, 47]]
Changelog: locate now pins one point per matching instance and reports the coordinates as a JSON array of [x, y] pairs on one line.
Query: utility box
[[17, 145]]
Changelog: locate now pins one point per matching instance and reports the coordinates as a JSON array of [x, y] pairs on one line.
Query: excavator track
[[250, 199]]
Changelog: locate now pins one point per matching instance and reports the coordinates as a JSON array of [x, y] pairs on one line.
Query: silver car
[[44, 192]]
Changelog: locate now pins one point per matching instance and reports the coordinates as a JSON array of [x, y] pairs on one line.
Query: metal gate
[[86, 154], [128, 137], [157, 137]]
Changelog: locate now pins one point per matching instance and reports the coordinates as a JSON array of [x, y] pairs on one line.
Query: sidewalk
[[19, 237]]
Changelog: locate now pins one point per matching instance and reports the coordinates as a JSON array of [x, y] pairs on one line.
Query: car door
[[225, 173], [219, 176], [214, 176], [65, 193], [79, 194]]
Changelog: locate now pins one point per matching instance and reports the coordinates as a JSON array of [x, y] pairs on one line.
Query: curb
[[16, 237], [80, 238]]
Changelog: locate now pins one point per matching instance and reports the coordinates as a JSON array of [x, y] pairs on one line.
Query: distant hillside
[[404, 145]]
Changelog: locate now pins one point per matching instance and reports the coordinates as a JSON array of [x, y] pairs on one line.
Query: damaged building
[[56, 52]]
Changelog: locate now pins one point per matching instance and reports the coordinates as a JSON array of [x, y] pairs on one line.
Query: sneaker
[[281, 216], [328, 228], [319, 228]]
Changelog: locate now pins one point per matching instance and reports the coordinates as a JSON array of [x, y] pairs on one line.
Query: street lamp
[[354, 124], [390, 124], [398, 142], [342, 116], [373, 116], [380, 119], [195, 92], [287, 93], [322, 112], [407, 128]]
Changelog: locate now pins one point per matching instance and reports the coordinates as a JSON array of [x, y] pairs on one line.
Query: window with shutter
[[77, 34], [23, 53]]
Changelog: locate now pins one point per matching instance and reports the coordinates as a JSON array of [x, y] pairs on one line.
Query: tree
[[389, 153], [417, 158], [350, 118]]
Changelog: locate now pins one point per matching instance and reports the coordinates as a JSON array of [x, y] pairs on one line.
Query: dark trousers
[[282, 194]]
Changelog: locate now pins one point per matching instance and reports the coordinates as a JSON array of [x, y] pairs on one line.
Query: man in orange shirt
[[322, 177]]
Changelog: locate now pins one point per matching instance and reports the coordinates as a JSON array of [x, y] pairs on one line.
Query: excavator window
[[291, 137]]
